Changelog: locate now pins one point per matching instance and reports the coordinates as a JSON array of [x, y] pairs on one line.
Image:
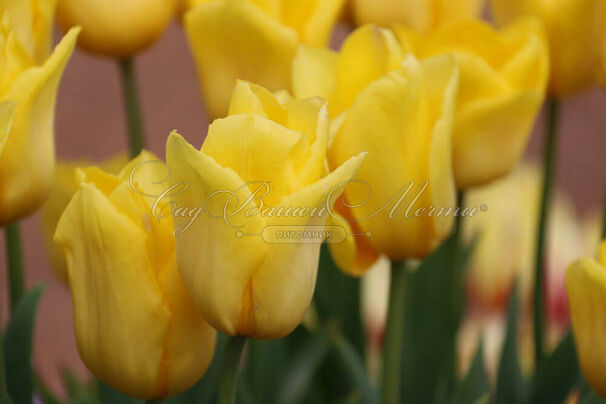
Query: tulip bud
[[253, 40], [502, 87], [401, 113], [586, 285], [245, 277], [137, 329], [116, 28], [573, 31], [6, 120], [28, 161]]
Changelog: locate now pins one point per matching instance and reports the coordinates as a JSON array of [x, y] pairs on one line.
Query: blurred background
[[90, 124]]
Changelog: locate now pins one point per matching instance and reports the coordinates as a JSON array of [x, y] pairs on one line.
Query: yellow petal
[[215, 264], [254, 99], [314, 71], [120, 317], [27, 165], [7, 109], [490, 136], [586, 286], [312, 19], [283, 286], [258, 150], [368, 54], [32, 21], [232, 40], [116, 28], [603, 254]]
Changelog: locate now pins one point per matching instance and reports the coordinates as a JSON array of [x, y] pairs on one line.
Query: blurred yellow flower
[[507, 238], [28, 162], [116, 28], [32, 24], [400, 111], [586, 285], [242, 284], [253, 40], [64, 187], [417, 14], [502, 87], [573, 32], [137, 328]]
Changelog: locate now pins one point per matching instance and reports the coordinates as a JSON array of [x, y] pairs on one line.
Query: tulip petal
[[258, 150], [7, 109], [120, 316], [232, 40], [491, 135], [368, 54], [282, 287], [27, 165], [216, 265], [314, 71], [312, 19], [586, 286]]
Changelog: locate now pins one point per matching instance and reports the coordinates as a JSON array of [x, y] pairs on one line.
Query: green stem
[[549, 167], [228, 379], [14, 258], [153, 401], [133, 113], [394, 333]]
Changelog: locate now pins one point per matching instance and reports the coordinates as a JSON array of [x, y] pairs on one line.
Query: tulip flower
[[32, 23], [572, 30], [137, 329], [501, 90], [401, 111], [116, 28], [253, 40], [417, 14], [65, 185], [28, 162], [243, 283], [586, 285]]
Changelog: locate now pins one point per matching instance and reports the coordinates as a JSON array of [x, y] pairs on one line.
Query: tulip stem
[[228, 379], [394, 333], [133, 112], [549, 168], [14, 260], [153, 401]]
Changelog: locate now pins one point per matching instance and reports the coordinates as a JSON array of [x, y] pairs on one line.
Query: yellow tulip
[[401, 112], [32, 22], [416, 14], [501, 90], [28, 162], [242, 284], [253, 40], [137, 329], [116, 28], [65, 185], [572, 29], [586, 285]]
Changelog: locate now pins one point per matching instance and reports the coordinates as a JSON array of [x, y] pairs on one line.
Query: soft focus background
[[90, 124]]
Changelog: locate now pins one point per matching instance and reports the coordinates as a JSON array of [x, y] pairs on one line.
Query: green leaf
[[44, 393], [433, 310], [18, 347], [591, 398], [108, 395], [337, 300], [301, 371], [474, 386], [558, 374], [510, 383]]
